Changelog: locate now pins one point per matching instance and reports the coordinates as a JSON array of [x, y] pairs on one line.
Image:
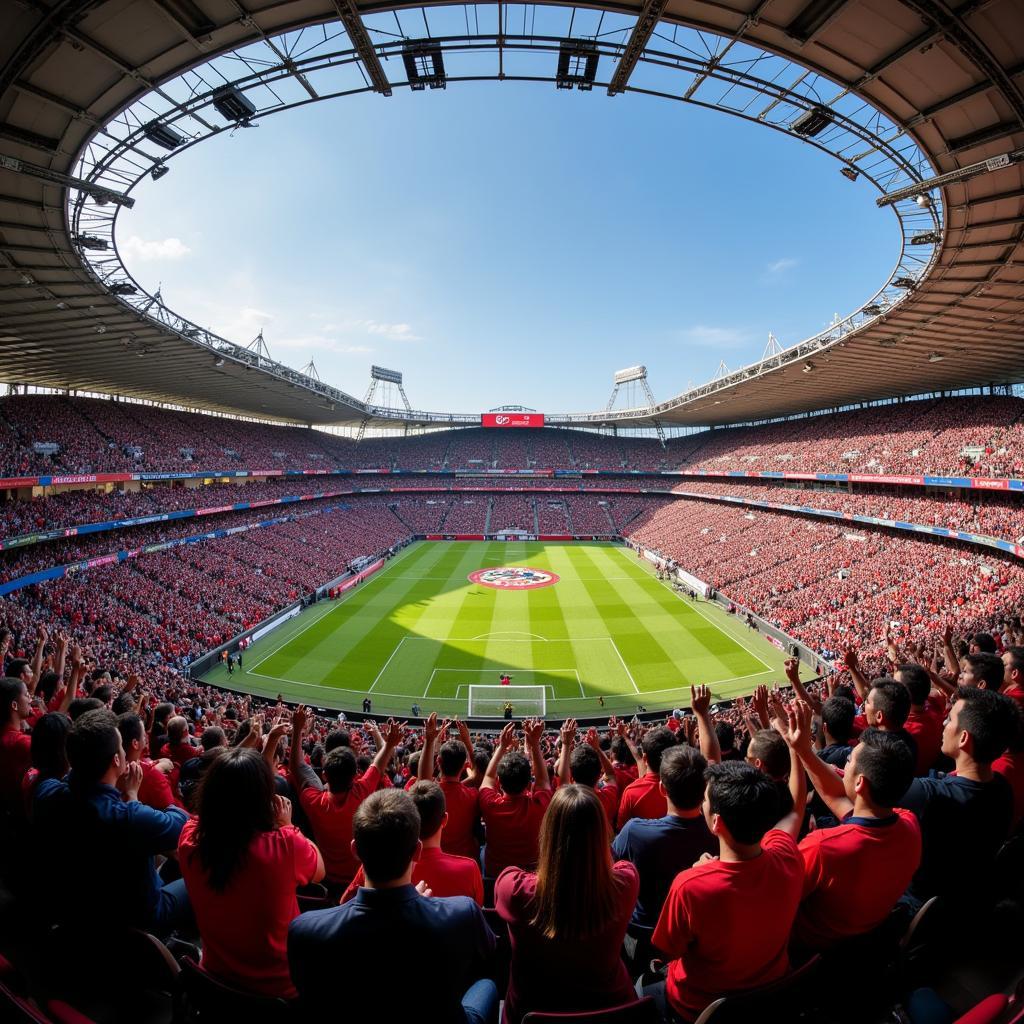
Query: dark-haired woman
[[242, 860], [567, 920]]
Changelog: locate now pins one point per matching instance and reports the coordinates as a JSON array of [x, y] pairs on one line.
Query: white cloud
[[781, 266], [395, 332], [707, 336], [318, 344], [149, 252]]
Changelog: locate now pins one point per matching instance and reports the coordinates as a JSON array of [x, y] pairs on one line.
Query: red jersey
[[463, 805], [1011, 767], [854, 874], [726, 924], [1015, 693], [156, 791], [244, 927], [330, 815], [642, 799], [926, 729], [15, 761], [179, 753], [446, 875], [513, 828]]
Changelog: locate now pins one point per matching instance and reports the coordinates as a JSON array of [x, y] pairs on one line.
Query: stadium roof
[[950, 75]]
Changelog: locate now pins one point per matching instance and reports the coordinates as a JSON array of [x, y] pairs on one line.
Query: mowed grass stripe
[[624, 606], [344, 648], [695, 645], [601, 671]]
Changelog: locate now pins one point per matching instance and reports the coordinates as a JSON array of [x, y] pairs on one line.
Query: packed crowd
[[979, 436], [830, 585], [983, 513], [732, 843]]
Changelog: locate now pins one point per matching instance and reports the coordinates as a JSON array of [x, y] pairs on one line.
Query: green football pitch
[[421, 632]]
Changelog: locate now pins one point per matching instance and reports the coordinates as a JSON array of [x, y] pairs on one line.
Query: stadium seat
[[147, 973], [777, 1001], [313, 897], [643, 1011], [209, 999]]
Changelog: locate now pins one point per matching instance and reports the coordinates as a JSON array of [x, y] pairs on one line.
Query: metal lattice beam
[[349, 15], [644, 28]]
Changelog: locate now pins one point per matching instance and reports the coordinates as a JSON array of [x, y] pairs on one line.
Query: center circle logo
[[514, 577]]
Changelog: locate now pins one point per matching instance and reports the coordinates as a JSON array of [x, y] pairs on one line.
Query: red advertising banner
[[512, 419]]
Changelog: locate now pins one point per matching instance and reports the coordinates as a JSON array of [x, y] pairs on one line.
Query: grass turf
[[421, 632]]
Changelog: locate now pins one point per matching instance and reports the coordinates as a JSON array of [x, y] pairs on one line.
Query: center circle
[[514, 577]]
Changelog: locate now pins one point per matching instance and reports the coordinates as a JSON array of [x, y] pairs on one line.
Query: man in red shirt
[[178, 747], [512, 816], [754, 885], [643, 798], [1013, 674], [330, 810], [444, 874], [461, 800], [15, 743], [156, 790], [926, 718], [855, 873]]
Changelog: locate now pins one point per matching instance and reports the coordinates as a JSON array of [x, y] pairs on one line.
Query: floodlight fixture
[[935, 357], [388, 376], [219, 361], [122, 288], [233, 105], [101, 329], [905, 282], [808, 367], [887, 342], [873, 308], [812, 122], [926, 238], [630, 374], [27, 279], [62, 305], [91, 242], [159, 170], [162, 136], [923, 200], [424, 66], [577, 65], [850, 173]]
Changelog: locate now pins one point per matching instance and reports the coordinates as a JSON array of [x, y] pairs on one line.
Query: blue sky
[[509, 243]]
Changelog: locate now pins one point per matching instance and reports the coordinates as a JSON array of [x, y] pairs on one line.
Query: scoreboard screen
[[512, 419]]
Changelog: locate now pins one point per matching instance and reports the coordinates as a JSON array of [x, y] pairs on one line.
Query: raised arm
[[793, 675], [391, 735], [533, 730], [607, 768], [700, 704], [278, 730], [506, 741], [827, 784], [860, 681], [567, 734], [467, 742], [77, 671], [952, 661], [621, 730], [793, 730], [431, 730], [302, 776], [42, 635]]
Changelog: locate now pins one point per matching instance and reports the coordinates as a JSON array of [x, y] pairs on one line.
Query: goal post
[[490, 701]]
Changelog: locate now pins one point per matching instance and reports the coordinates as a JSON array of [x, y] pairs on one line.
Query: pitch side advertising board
[[512, 419]]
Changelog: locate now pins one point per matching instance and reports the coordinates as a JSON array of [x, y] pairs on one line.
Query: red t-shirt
[[15, 761], [179, 753], [445, 874], [244, 927], [642, 799], [513, 828], [1015, 693], [463, 805], [1011, 767], [555, 975], [331, 815], [726, 924], [155, 790], [927, 732], [853, 876]]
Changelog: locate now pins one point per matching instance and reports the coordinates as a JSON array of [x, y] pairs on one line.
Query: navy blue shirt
[[963, 824], [661, 848], [114, 843], [342, 959]]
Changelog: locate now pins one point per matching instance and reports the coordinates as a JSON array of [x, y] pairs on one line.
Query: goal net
[[490, 701]]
